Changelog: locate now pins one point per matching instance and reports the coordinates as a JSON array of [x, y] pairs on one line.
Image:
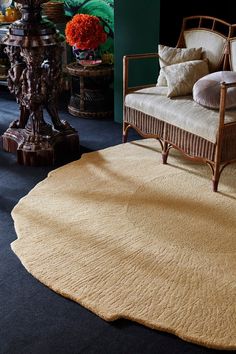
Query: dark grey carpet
[[34, 319]]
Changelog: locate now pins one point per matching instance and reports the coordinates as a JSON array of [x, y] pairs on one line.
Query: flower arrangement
[[85, 32]]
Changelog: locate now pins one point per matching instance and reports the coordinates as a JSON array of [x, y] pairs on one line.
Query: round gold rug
[[128, 237]]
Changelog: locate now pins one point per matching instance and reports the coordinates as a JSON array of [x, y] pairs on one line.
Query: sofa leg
[[164, 158], [125, 132], [165, 153], [124, 138], [215, 185], [216, 177]]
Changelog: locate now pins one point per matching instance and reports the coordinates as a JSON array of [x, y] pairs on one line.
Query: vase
[[87, 57], [85, 54]]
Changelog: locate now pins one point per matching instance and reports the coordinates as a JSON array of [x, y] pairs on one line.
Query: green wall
[[136, 31]]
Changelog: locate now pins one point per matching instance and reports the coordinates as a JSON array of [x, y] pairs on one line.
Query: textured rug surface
[[128, 237]]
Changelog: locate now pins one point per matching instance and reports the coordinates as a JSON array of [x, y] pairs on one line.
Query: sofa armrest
[[126, 59], [223, 94], [220, 134]]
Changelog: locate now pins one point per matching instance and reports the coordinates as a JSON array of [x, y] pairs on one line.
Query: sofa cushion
[[206, 91], [212, 43], [181, 111], [181, 77], [170, 55]]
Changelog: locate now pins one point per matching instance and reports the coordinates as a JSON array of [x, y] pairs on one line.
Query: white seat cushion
[[182, 111]]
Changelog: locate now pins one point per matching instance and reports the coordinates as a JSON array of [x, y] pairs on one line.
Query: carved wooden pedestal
[[59, 147], [34, 48]]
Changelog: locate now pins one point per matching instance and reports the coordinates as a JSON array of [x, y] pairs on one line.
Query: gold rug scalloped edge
[[128, 237]]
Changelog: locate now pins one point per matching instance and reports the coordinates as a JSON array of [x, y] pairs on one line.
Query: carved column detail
[[34, 48]]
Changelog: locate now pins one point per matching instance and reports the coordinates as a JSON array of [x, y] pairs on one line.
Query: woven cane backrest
[[209, 33]]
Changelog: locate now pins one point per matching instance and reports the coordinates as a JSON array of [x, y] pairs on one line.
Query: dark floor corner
[[36, 320]]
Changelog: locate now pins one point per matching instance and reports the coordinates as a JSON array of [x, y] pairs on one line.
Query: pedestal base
[[61, 147], [76, 111]]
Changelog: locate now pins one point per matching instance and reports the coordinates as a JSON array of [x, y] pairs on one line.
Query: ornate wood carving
[[34, 48]]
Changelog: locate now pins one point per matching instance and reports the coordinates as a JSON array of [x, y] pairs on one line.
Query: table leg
[[81, 93]]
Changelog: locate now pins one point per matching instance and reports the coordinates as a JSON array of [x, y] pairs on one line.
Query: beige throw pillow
[[181, 77], [170, 55], [206, 91]]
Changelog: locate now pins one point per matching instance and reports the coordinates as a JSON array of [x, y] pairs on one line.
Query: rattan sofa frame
[[216, 155]]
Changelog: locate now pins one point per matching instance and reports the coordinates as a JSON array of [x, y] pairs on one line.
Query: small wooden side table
[[91, 92]]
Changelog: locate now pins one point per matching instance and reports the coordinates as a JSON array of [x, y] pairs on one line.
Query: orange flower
[[85, 32]]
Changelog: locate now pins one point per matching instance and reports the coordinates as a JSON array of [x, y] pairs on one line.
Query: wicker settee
[[199, 133]]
